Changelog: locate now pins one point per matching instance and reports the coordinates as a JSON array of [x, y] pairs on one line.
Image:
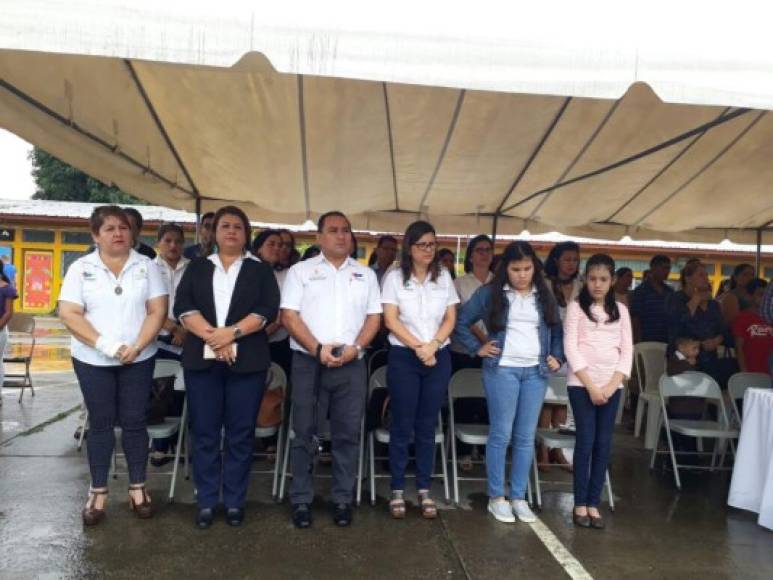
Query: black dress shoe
[[581, 521], [302, 515], [234, 516], [342, 514], [596, 523], [204, 518]]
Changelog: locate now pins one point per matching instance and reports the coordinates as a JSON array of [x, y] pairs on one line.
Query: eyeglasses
[[426, 246]]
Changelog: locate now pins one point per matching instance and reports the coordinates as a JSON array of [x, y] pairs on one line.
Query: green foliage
[[58, 181]]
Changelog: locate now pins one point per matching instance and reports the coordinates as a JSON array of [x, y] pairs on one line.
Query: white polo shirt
[[171, 277], [91, 284], [421, 306], [521, 348], [333, 303], [466, 286]]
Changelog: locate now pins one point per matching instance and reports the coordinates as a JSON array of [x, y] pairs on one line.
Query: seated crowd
[[230, 305]]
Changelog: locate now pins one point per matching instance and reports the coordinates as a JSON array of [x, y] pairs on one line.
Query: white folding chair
[[464, 384], [739, 382], [555, 439], [698, 385], [21, 330], [650, 363], [377, 381], [275, 379]]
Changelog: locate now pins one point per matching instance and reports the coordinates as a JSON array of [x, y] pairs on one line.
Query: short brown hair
[[102, 212], [237, 212]]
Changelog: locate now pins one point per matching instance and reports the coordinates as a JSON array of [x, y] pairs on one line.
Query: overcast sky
[[15, 169]]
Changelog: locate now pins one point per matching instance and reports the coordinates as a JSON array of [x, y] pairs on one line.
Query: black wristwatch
[[237, 333], [318, 354]]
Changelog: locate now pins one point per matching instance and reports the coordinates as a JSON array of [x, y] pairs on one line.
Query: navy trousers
[[219, 399]]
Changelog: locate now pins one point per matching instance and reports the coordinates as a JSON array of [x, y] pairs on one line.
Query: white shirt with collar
[[91, 284], [522, 348], [224, 282], [171, 276], [421, 306], [466, 286], [332, 302]]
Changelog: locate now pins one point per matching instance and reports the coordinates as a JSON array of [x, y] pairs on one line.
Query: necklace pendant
[[118, 290]]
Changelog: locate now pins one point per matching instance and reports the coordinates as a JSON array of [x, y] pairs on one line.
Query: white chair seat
[[166, 429], [266, 431], [555, 440], [697, 428], [382, 436], [471, 433]]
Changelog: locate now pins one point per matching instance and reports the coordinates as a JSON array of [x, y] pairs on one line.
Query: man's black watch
[[318, 354]]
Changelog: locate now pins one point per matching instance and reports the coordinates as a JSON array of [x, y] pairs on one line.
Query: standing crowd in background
[[232, 304]]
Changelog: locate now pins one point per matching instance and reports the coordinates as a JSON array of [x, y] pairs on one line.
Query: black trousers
[[116, 396], [338, 393]]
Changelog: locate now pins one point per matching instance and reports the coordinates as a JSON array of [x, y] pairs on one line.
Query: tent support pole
[[758, 256], [494, 228], [198, 218]]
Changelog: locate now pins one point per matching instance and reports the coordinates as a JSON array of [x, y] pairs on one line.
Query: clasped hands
[[426, 352], [221, 341], [601, 395], [346, 354]]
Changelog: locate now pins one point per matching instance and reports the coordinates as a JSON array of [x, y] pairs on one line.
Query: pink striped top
[[597, 347]]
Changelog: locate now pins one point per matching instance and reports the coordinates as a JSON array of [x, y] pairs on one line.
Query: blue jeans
[[595, 425], [514, 396], [219, 398], [416, 394]]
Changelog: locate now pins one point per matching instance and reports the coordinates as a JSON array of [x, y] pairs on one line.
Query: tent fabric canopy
[[497, 150]]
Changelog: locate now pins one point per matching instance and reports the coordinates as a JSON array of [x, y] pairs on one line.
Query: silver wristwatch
[[238, 333], [360, 351]]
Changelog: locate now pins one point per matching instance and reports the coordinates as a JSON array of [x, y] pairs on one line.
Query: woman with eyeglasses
[[419, 302]]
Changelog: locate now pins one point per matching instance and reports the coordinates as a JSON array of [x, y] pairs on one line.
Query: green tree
[[58, 181]]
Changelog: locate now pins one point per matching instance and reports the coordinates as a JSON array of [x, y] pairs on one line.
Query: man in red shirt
[[754, 336]]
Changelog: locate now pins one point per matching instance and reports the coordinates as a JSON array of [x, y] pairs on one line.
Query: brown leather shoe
[[597, 523], [581, 521], [143, 510], [92, 515]]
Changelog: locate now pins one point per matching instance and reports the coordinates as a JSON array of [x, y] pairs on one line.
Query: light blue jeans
[[514, 396]]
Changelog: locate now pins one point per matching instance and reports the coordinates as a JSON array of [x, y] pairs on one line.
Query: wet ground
[[655, 532]]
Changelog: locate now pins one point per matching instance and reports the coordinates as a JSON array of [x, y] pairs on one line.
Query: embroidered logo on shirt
[[88, 275], [758, 330], [317, 275]]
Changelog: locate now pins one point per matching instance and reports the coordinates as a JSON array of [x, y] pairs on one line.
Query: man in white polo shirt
[[331, 307]]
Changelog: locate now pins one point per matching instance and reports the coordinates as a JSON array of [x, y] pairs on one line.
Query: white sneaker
[[523, 511], [501, 511]]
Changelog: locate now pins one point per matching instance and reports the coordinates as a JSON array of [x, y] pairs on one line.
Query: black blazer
[[256, 291]]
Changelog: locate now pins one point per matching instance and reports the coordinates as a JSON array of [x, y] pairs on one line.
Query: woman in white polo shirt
[[419, 301], [114, 302]]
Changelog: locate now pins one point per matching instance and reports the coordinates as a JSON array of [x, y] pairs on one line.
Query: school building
[[43, 238]]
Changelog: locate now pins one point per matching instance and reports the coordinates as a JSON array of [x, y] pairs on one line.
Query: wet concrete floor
[[655, 531]]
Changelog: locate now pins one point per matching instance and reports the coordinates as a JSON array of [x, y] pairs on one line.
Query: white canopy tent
[[578, 118]]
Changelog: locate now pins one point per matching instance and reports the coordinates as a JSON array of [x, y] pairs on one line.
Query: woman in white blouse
[[113, 301], [419, 301]]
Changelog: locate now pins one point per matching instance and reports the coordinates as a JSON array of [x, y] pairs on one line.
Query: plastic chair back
[[466, 383], [166, 368], [739, 382], [557, 391], [650, 363], [377, 380]]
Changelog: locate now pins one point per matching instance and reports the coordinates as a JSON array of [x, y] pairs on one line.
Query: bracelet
[[319, 352], [439, 343]]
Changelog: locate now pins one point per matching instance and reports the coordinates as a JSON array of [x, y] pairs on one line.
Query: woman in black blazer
[[224, 301]]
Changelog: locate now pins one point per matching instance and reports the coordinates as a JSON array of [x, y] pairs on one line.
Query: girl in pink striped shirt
[[599, 349]]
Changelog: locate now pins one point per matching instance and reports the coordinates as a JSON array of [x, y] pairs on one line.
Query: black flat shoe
[[234, 516], [302, 515], [204, 518], [581, 521], [596, 523], [342, 514], [160, 461]]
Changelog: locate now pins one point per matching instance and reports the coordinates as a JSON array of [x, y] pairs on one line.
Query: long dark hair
[[413, 234], [551, 268], [515, 252], [736, 272], [471, 248], [586, 300], [262, 238]]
